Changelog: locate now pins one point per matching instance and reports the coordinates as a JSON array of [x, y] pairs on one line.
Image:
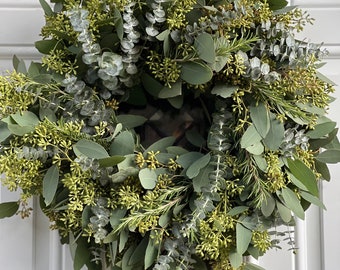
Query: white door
[[29, 245]]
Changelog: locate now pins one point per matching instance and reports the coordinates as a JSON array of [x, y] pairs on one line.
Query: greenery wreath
[[168, 134]]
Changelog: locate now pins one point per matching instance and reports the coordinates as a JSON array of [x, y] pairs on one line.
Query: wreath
[[168, 134]]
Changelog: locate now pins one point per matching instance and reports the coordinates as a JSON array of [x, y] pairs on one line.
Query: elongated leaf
[[20, 130], [161, 144], [284, 212], [224, 90], [321, 130], [147, 178], [256, 149], [251, 266], [123, 144], [236, 259], [204, 45], [260, 117], [293, 202], [4, 131], [151, 85], [110, 161], [176, 102], [46, 7], [201, 180], [268, 206], [275, 135], [237, 210], [151, 251], [304, 175], [196, 73], [312, 199], [82, 255], [138, 255], [195, 167], [277, 4], [187, 159], [195, 138], [89, 149], [131, 121], [243, 238], [174, 91], [47, 45], [323, 169], [329, 156], [25, 118], [50, 184], [8, 209], [250, 137]]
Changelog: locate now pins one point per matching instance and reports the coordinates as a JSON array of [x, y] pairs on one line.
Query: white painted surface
[[318, 237]]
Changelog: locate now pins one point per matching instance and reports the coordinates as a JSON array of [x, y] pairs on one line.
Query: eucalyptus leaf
[[20, 130], [251, 266], [323, 169], [277, 4], [89, 149], [151, 85], [224, 90], [50, 184], [176, 102], [201, 180], [243, 238], [47, 45], [194, 169], [275, 135], [237, 210], [260, 118], [151, 251], [329, 156], [187, 159], [147, 178], [256, 149], [123, 144], [110, 161], [46, 7], [8, 209], [303, 174], [204, 45], [131, 121], [250, 137], [161, 145], [293, 203], [170, 92], [196, 73], [195, 138], [268, 206], [48, 114], [321, 130], [235, 259], [25, 119], [118, 22], [312, 199], [137, 257], [82, 254], [284, 212], [4, 131]]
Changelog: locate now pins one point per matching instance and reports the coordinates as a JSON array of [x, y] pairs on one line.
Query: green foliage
[[166, 136]]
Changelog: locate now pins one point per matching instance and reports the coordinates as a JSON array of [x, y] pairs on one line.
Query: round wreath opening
[[168, 134]]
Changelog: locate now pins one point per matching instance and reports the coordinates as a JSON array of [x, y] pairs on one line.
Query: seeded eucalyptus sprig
[[168, 134]]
